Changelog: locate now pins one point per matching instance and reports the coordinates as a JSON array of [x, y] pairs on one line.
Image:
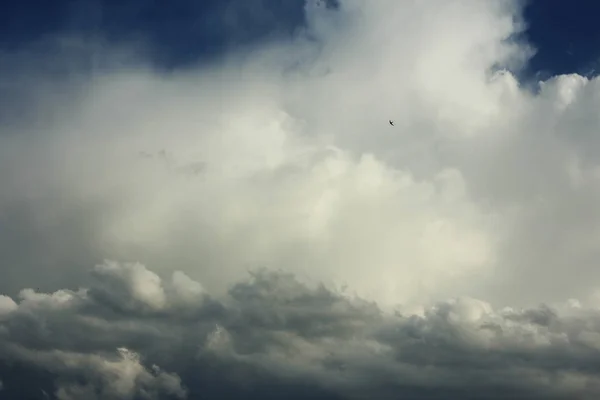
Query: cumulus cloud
[[277, 159], [282, 158], [104, 376], [271, 329]]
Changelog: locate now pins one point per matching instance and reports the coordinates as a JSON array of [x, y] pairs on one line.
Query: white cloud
[[283, 158], [187, 291], [7, 305], [132, 281]]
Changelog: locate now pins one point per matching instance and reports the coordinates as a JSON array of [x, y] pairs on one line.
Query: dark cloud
[[273, 334]]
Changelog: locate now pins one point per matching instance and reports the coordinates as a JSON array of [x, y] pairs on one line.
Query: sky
[[205, 200]]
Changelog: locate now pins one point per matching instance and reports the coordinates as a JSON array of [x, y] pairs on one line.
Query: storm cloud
[[272, 333]]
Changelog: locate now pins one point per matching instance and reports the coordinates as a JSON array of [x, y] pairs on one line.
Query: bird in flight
[[391, 122]]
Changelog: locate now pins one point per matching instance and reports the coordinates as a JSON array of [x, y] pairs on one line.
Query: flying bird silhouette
[[391, 122]]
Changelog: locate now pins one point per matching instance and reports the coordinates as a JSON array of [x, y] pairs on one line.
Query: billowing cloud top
[[282, 157]]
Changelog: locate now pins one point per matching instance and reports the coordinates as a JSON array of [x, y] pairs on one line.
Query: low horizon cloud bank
[[115, 340], [281, 157]]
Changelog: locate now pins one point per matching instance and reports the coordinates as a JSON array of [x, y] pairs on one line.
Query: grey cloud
[[97, 376], [275, 330]]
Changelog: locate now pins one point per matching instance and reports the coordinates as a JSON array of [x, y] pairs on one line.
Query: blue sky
[[565, 34]]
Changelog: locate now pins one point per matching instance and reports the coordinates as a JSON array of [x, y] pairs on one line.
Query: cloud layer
[[282, 157], [272, 333]]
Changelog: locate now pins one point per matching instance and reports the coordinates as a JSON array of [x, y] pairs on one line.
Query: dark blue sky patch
[[180, 31], [183, 32], [566, 35]]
